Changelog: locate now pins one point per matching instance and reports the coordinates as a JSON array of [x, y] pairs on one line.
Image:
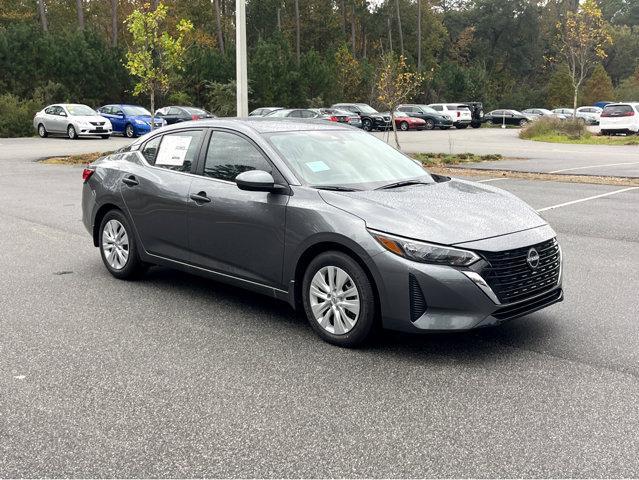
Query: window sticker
[[173, 150], [318, 166]]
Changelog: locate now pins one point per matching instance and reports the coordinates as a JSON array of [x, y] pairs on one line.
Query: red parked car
[[404, 122]]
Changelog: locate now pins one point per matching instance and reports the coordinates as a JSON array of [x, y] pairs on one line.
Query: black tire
[[430, 124], [461, 127], [365, 321], [71, 133], [42, 132], [523, 122], [134, 267], [404, 127], [129, 131], [367, 124], [105, 137]]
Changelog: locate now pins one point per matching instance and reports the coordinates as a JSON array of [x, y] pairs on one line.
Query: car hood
[[448, 213]]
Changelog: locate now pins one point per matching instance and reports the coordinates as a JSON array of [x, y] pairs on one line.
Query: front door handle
[[200, 198], [131, 181]]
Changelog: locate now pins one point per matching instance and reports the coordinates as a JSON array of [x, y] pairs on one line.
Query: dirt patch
[[82, 159], [547, 177]]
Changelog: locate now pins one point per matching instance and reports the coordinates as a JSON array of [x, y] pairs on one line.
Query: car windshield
[[80, 110], [355, 160], [278, 113], [366, 108], [426, 109], [136, 111], [195, 111]]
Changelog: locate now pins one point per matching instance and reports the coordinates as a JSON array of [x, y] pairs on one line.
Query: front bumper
[[84, 131], [423, 297]]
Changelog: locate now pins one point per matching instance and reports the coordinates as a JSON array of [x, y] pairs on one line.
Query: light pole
[[240, 58]]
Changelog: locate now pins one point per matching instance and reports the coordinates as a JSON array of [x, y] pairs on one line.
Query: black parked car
[[263, 111], [371, 118], [507, 117], [176, 114], [477, 113], [433, 118]]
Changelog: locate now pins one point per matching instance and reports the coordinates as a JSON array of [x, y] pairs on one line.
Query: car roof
[[262, 124]]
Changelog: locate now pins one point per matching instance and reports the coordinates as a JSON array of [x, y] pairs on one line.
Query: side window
[[307, 114], [116, 111], [178, 150], [295, 114], [229, 155], [173, 111], [50, 111], [151, 149], [439, 108]]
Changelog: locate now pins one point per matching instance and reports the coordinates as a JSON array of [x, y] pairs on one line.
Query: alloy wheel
[[430, 124], [403, 126], [71, 132], [368, 125], [42, 131], [129, 131], [335, 300], [115, 244]]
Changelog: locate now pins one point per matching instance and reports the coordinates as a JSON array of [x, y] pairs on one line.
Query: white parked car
[[588, 118], [620, 117], [459, 112], [73, 120]]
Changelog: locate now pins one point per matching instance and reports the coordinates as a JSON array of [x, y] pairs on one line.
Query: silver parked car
[[73, 120], [325, 217], [568, 113]]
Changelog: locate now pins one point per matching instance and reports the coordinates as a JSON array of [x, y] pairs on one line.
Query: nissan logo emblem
[[533, 258]]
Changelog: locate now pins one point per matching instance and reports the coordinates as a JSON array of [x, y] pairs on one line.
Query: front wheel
[[367, 124], [71, 133], [118, 248], [129, 131], [404, 126], [338, 299]]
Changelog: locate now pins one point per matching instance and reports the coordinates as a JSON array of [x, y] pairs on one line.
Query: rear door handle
[[200, 197], [131, 181]]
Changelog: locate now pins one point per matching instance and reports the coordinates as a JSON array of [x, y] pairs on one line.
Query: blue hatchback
[[130, 120]]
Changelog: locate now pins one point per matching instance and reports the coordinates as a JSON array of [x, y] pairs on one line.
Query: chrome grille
[[513, 280]]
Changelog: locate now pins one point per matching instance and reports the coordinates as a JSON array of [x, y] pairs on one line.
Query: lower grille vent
[[416, 297]]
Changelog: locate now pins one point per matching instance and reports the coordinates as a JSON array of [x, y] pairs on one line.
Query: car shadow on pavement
[[490, 342]]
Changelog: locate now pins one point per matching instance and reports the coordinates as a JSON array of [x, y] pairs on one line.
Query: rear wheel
[[430, 124], [71, 133], [118, 248], [42, 131], [404, 126], [338, 299], [523, 122]]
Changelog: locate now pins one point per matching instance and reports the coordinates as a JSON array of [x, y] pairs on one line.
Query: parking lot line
[[594, 166], [586, 199], [492, 179]]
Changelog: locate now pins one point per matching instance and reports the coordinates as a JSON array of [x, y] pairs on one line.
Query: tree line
[[505, 53]]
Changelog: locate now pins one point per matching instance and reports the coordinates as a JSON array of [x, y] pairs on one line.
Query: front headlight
[[140, 122], [425, 252]]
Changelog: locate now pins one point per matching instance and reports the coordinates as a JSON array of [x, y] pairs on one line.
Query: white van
[[620, 117], [459, 112]]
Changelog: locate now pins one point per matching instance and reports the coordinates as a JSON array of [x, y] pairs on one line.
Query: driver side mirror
[[258, 181]]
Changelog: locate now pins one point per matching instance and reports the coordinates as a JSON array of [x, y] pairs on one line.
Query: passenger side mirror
[[257, 181]]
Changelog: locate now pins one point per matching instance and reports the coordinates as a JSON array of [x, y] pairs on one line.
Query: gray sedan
[[325, 217], [73, 120]]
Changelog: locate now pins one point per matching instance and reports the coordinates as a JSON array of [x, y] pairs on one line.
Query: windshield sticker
[[318, 166], [173, 150]]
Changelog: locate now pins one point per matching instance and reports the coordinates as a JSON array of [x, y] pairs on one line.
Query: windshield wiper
[[336, 188], [403, 183]]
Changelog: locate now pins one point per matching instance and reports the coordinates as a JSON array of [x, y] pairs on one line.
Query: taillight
[[628, 114], [458, 114], [333, 119], [194, 117], [86, 174]]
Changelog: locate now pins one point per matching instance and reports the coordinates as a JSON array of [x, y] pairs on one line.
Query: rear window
[[616, 110], [461, 108], [195, 111]]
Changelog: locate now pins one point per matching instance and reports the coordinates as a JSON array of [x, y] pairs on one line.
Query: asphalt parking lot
[[525, 155], [177, 376]]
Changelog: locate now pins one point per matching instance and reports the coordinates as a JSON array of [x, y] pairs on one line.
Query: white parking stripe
[[492, 179], [594, 166], [587, 198]]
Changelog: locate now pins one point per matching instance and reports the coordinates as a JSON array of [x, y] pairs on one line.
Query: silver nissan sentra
[[325, 217]]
